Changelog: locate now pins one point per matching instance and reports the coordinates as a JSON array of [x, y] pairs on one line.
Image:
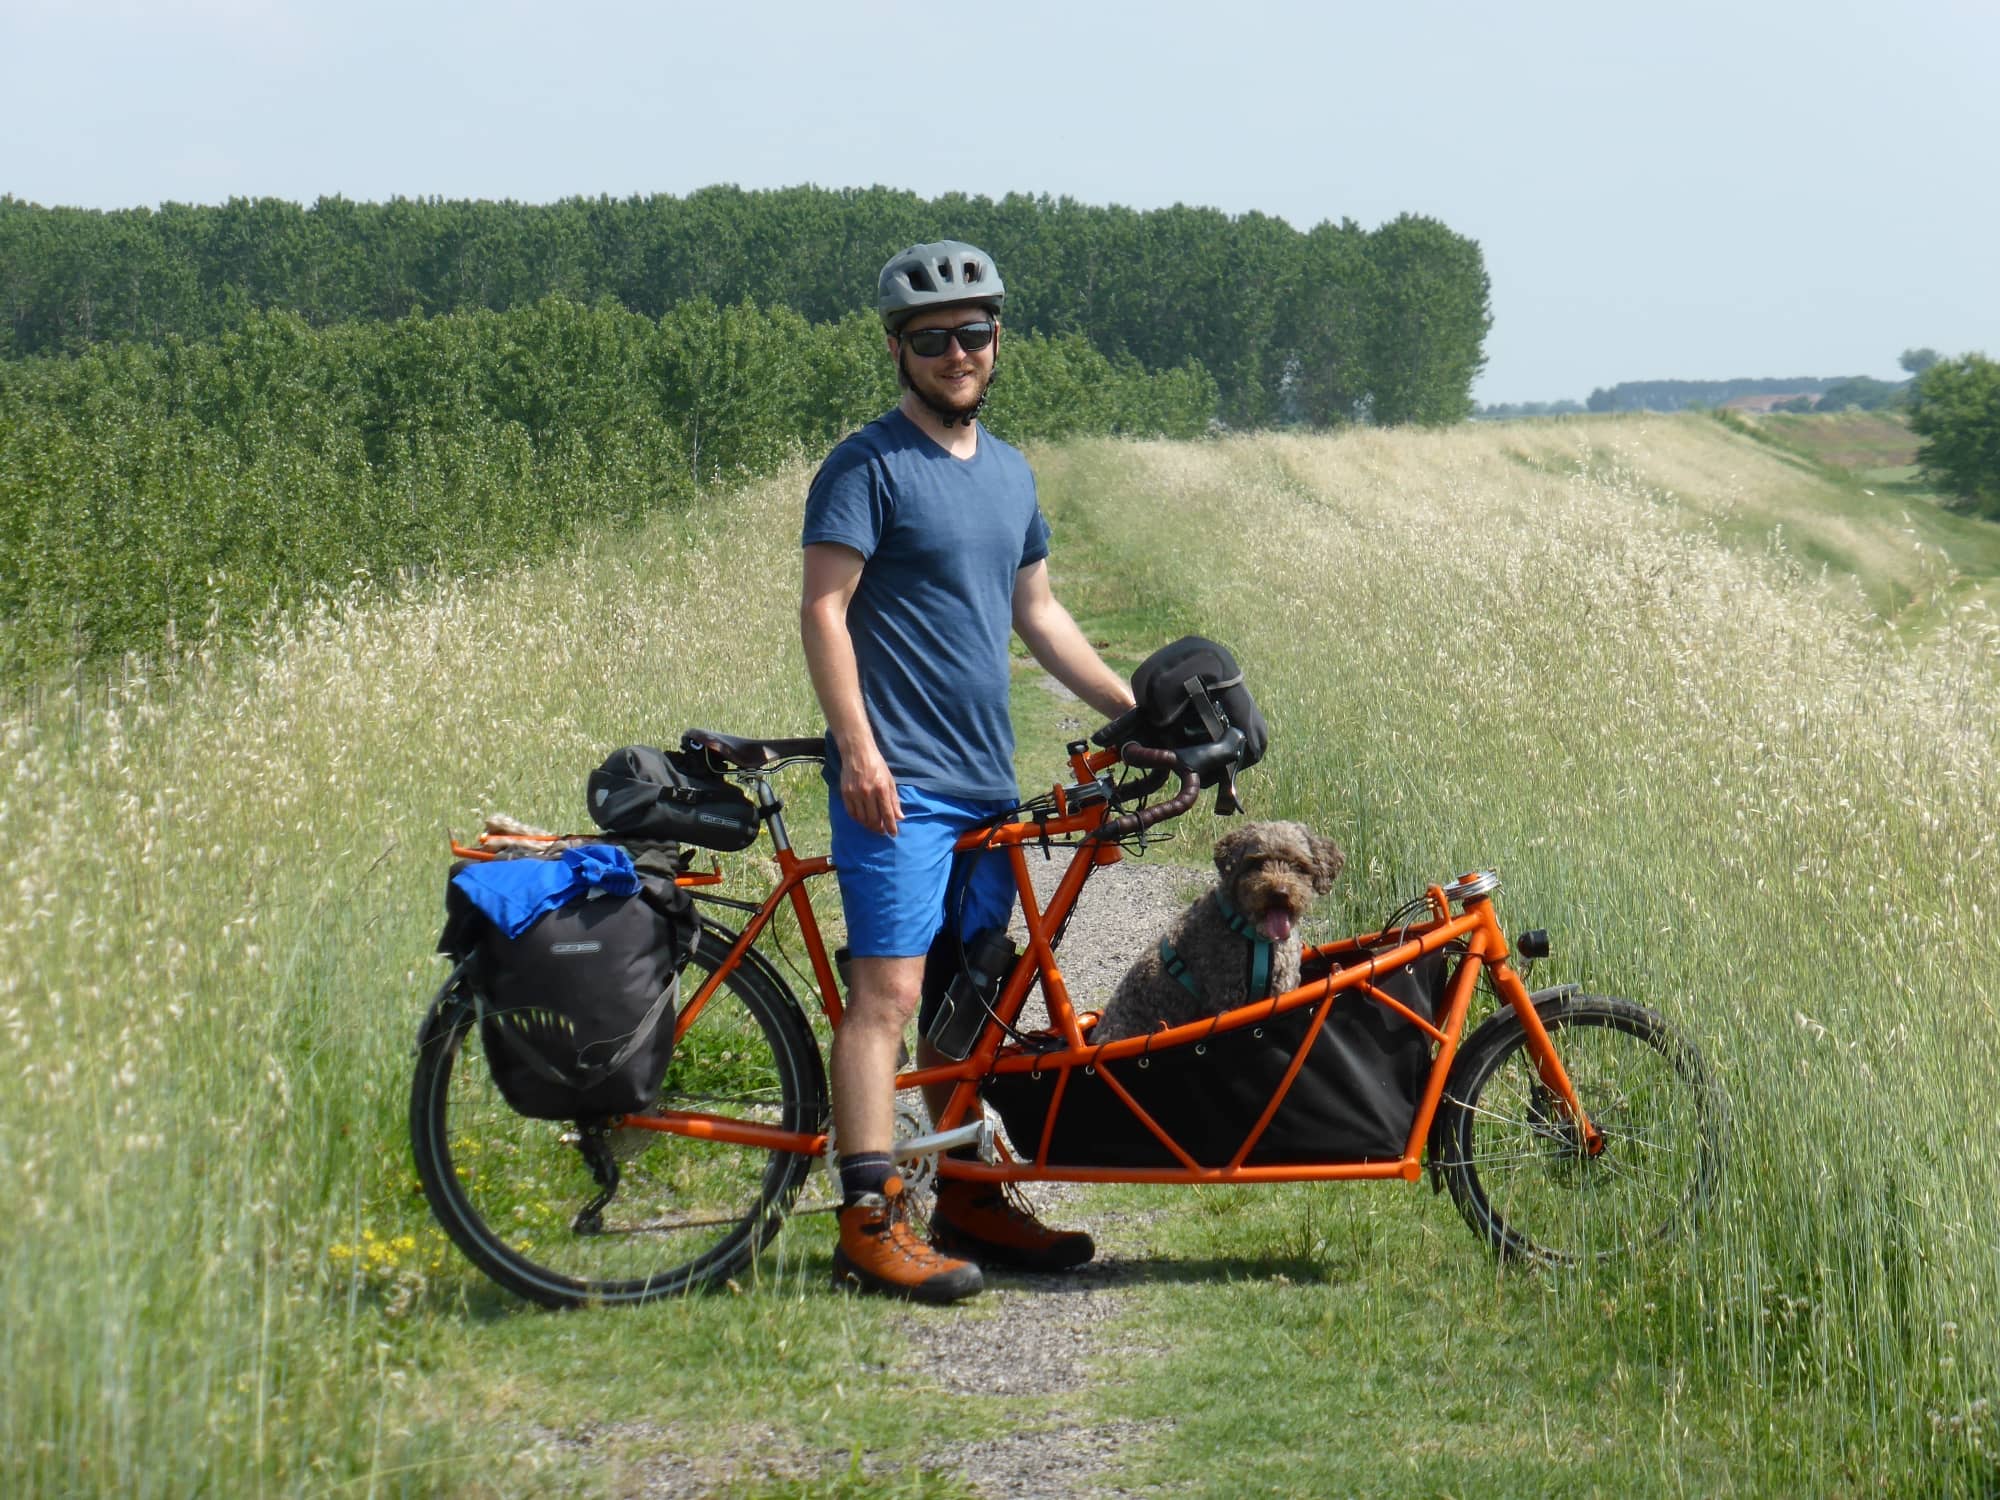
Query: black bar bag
[[577, 1013]]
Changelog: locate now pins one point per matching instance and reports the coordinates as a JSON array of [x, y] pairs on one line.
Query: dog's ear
[[1327, 862], [1230, 848]]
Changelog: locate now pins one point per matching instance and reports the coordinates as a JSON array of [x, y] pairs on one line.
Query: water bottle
[[961, 1013]]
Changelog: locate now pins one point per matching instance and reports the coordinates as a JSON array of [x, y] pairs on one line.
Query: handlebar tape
[[1126, 824]]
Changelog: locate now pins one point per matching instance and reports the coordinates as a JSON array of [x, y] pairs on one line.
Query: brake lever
[[1227, 804]]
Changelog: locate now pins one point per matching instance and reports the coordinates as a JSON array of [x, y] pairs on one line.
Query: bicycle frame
[[1475, 933]]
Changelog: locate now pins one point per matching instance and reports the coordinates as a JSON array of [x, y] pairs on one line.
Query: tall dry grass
[[1726, 790], [222, 888]]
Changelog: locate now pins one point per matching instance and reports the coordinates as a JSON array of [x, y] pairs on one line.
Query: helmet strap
[[948, 416]]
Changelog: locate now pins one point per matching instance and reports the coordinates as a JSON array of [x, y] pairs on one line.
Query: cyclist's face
[[954, 378]]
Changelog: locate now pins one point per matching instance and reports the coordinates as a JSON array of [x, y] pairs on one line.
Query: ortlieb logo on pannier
[[577, 1009], [671, 797]]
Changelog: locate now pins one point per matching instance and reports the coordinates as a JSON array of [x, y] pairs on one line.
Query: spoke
[[1569, 1156], [1637, 1174], [1516, 1122], [1625, 1137], [1534, 1155]]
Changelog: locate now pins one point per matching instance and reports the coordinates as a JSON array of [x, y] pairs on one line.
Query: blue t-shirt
[[942, 539]]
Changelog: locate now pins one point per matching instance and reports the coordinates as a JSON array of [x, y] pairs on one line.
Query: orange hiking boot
[[879, 1252], [997, 1228]]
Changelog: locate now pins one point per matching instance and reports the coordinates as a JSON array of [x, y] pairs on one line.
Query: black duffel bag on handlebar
[[1188, 694], [1191, 696]]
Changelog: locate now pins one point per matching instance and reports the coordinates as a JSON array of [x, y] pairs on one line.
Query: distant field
[[1641, 664], [1877, 446]]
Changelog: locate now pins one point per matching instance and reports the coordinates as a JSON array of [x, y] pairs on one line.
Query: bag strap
[[1204, 706]]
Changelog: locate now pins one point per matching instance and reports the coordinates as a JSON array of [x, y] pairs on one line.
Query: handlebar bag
[[1188, 692], [577, 1013], [670, 796]]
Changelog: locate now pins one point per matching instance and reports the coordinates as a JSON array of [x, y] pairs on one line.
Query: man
[[924, 546]]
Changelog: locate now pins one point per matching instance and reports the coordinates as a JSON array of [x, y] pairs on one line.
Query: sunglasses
[[929, 343]]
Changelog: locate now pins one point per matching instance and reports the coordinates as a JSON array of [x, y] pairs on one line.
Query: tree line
[[1680, 395], [1332, 324], [159, 493], [1807, 392]]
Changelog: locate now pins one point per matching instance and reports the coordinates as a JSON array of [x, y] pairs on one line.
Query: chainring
[[911, 1121]]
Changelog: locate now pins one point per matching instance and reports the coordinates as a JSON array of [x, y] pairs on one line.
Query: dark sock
[[864, 1172]]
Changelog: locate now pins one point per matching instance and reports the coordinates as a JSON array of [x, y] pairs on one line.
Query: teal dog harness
[[1257, 983]]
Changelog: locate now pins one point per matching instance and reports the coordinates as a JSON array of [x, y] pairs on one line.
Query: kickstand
[[595, 1145]]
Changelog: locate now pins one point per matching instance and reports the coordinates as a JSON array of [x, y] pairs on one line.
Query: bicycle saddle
[[752, 755]]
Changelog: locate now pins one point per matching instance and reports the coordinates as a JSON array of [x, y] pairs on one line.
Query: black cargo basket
[[1354, 1100]]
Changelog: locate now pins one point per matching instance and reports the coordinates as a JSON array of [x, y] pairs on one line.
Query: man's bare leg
[[880, 1002]]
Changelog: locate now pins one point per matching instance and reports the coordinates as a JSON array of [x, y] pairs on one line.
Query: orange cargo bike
[[1568, 1128]]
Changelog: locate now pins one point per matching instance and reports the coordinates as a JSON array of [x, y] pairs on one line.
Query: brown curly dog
[[1210, 959]]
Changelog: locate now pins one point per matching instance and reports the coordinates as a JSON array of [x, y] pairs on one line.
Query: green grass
[[1724, 787]]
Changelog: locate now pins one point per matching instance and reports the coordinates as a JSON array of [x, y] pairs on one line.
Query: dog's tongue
[[1277, 924]]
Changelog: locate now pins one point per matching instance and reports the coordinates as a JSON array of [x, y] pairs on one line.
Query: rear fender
[[455, 992]]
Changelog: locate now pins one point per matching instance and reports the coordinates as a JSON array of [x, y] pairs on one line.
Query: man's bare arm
[[867, 789], [1052, 637]]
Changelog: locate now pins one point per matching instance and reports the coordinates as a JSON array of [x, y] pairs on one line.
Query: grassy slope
[[1694, 765], [1868, 443], [1844, 490], [1716, 782]]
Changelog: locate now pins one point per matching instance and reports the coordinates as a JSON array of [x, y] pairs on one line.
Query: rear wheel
[[1517, 1162], [526, 1199]]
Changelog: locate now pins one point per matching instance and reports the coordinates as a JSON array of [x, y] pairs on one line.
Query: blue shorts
[[899, 893]]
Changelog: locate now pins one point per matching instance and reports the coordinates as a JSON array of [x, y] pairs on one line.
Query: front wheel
[[1518, 1164], [526, 1199]]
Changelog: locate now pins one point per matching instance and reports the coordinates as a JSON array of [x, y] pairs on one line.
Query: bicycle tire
[[687, 1213], [1518, 1170]]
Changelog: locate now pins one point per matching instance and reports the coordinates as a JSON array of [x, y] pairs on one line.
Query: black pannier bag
[[577, 1018], [1353, 1100], [669, 796], [1188, 692]]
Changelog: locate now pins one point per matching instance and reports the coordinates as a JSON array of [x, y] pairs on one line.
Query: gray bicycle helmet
[[939, 274]]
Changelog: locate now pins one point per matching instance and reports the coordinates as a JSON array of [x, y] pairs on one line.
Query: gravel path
[[1036, 1337], [1052, 1335], [1044, 1338]]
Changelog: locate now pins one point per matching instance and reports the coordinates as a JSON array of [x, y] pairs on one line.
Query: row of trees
[[149, 492], [1682, 395], [1808, 392], [1333, 324]]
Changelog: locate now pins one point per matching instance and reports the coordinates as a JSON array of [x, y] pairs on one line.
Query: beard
[[950, 413]]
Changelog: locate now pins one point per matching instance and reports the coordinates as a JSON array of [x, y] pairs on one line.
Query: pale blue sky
[[1692, 190]]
